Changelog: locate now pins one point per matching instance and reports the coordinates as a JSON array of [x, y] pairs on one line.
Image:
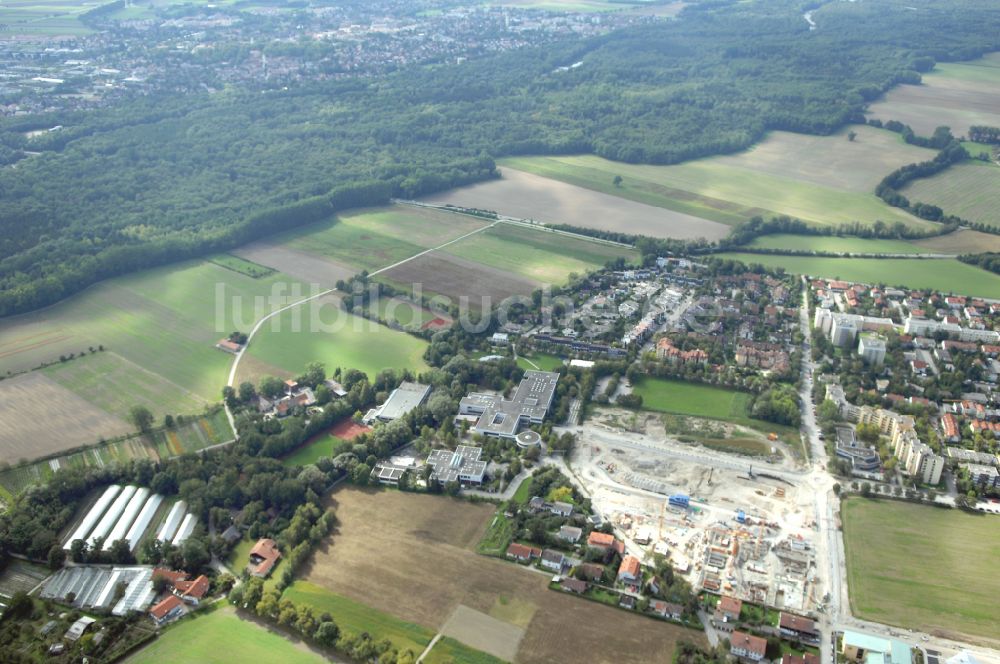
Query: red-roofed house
[[172, 577], [950, 427], [807, 658], [797, 627], [522, 553], [602, 541], [263, 557], [728, 609], [169, 609], [748, 647], [192, 591], [629, 571]]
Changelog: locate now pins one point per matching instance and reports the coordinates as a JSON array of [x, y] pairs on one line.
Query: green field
[[946, 275], [222, 637], [833, 244], [404, 312], [822, 180], [545, 257], [539, 362], [349, 341], [376, 238], [930, 569], [683, 398], [355, 617], [316, 448], [968, 190], [975, 149], [449, 651], [44, 18], [161, 326]]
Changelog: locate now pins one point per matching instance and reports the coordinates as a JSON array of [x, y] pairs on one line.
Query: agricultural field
[[528, 191], [908, 590], [221, 637], [449, 651], [968, 190], [955, 94], [302, 265], [946, 274], [420, 567], [458, 280], [535, 254], [241, 265], [371, 239], [161, 325], [328, 334], [684, 398], [190, 436], [834, 244], [39, 417], [20, 576], [960, 242], [829, 181], [114, 384], [45, 18]]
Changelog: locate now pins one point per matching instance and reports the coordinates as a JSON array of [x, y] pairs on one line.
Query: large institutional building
[[502, 417]]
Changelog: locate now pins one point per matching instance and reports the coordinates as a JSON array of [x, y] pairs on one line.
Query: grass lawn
[[162, 325], [523, 492], [222, 637], [498, 534], [929, 568], [535, 254], [675, 396], [975, 149], [836, 188], [539, 362], [449, 651], [404, 312], [313, 449], [343, 340], [833, 244], [945, 275], [355, 617]]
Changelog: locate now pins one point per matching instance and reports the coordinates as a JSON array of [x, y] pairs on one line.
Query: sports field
[[334, 337], [827, 180], [955, 94], [683, 398], [537, 255], [223, 637], [833, 244], [968, 190], [420, 567], [946, 275], [931, 569]]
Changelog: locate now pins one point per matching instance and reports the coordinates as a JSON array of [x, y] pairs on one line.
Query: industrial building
[[501, 417]]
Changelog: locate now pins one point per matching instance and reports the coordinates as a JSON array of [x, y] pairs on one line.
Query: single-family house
[[169, 609], [574, 586], [797, 627], [629, 571], [553, 560], [570, 534], [263, 557], [747, 646], [522, 553], [728, 609]]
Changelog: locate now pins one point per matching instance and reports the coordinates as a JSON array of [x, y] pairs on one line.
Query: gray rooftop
[[462, 464], [502, 417], [403, 399]]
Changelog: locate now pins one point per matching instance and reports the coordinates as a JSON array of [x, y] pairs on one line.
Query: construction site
[[732, 525]]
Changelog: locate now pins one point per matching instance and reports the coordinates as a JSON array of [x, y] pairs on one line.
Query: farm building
[[501, 417], [111, 517], [187, 527], [142, 522], [263, 557], [127, 517], [93, 515], [168, 609], [172, 522], [402, 400]]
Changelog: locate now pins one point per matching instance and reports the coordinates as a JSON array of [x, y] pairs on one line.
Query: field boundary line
[[430, 646], [517, 221]]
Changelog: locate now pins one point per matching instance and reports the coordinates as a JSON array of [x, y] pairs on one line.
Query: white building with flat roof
[[502, 417], [872, 350], [402, 400]]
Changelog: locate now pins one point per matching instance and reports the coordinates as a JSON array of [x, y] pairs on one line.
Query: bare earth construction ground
[[528, 196], [30, 427], [419, 565]]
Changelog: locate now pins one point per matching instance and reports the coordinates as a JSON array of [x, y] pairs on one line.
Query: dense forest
[[162, 179]]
